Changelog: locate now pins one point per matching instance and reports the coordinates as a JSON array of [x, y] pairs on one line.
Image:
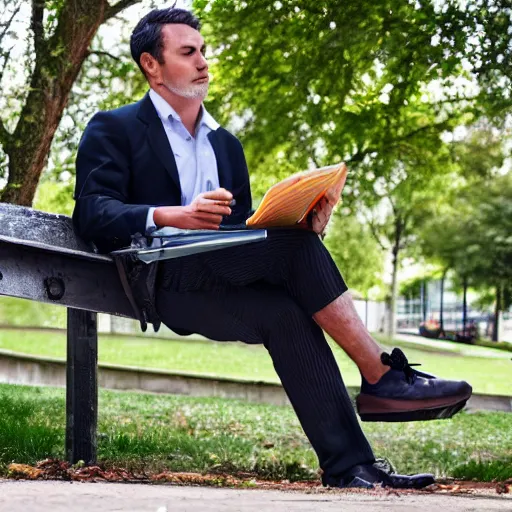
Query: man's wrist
[[166, 216], [158, 217]]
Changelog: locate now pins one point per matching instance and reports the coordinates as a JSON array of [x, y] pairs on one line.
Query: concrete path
[[456, 348], [99, 497]]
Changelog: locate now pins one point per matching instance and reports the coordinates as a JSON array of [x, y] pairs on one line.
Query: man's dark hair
[[147, 35]]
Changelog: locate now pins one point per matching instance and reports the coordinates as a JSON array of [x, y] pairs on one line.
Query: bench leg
[[82, 386]]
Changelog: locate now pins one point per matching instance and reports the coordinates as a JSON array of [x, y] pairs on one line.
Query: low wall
[[34, 370]]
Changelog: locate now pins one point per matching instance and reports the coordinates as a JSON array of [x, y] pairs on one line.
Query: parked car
[[432, 329]]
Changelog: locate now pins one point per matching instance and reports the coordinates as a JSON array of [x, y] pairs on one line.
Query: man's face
[[185, 70]]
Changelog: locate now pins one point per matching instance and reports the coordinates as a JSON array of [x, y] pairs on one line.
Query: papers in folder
[[180, 242], [288, 202]]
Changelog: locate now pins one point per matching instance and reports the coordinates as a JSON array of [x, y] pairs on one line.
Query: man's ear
[[150, 66]]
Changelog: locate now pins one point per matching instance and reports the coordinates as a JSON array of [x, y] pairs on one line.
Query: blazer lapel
[[158, 140], [223, 164]]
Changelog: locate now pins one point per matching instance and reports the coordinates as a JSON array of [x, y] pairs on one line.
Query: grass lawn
[[161, 432], [250, 362]]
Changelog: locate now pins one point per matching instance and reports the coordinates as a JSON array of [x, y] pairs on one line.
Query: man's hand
[[323, 209], [205, 212]]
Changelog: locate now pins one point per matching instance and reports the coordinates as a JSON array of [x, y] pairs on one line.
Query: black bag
[[138, 280]]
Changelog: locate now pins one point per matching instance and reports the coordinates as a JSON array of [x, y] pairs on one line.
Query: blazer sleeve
[[103, 213], [241, 189]]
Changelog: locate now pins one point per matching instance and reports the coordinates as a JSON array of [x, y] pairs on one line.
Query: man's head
[[169, 50]]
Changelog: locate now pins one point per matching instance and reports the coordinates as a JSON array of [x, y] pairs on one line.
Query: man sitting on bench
[[164, 161]]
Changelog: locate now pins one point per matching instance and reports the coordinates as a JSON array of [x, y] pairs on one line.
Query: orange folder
[[288, 202]]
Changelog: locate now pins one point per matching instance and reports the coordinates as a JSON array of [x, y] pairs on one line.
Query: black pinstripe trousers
[[267, 292]]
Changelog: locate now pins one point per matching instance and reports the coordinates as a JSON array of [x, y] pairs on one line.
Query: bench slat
[[52, 230], [41, 275]]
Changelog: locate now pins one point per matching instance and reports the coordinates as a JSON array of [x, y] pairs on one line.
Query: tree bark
[[423, 301], [58, 60], [464, 305], [497, 309], [394, 278], [441, 306]]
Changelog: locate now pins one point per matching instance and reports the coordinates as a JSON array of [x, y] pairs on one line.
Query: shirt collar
[[164, 110], [208, 120]]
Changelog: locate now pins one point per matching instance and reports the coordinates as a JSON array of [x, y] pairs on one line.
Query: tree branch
[[5, 26], [374, 232], [442, 125], [5, 136], [390, 199], [114, 10], [36, 24], [5, 55], [403, 243], [106, 54], [313, 159]]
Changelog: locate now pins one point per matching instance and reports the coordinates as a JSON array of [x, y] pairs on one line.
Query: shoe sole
[[372, 408]]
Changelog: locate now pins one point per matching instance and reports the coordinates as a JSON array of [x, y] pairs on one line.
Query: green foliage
[[324, 83], [480, 153], [490, 52], [356, 253], [372, 83], [54, 197], [473, 235]]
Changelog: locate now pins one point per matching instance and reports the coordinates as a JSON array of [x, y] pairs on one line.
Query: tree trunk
[[394, 278], [423, 301], [441, 305], [464, 305], [58, 60], [496, 327]]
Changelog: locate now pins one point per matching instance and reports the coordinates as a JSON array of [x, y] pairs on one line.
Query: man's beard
[[192, 91]]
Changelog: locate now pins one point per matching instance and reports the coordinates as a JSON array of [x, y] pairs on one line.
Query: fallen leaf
[[23, 471]]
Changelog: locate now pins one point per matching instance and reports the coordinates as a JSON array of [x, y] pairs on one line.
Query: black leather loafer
[[367, 476]]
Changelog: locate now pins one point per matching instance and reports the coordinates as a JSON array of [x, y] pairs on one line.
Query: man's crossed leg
[[281, 292]]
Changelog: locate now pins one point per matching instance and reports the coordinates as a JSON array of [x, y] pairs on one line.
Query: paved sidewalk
[[57, 496], [457, 348]]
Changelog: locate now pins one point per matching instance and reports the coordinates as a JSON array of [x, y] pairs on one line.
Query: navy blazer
[[125, 165]]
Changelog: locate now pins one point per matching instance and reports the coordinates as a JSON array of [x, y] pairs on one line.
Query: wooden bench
[[42, 259]]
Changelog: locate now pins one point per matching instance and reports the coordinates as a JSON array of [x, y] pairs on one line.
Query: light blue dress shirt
[[195, 158]]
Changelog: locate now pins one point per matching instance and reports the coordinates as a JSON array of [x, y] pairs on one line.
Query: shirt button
[[189, 138]]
